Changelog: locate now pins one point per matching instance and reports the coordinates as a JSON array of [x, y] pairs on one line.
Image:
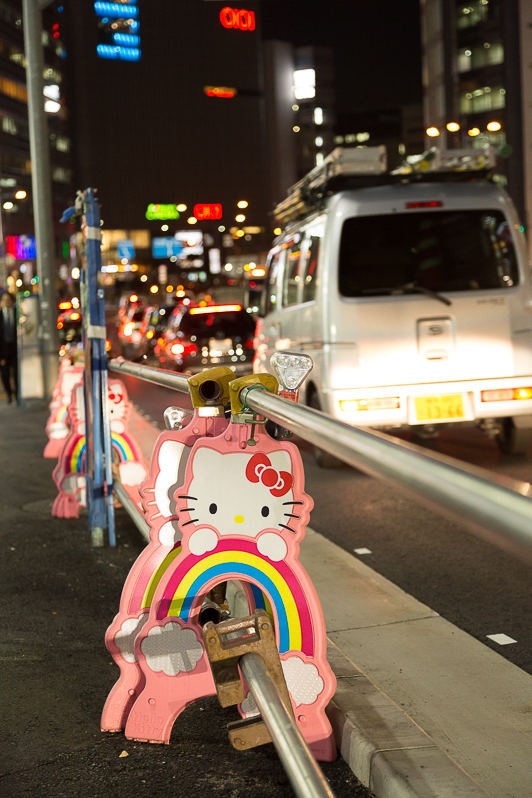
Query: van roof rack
[[357, 167]]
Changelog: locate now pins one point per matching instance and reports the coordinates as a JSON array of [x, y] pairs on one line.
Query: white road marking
[[501, 639]]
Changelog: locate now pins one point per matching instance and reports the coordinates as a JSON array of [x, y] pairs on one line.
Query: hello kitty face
[[239, 494], [117, 405]]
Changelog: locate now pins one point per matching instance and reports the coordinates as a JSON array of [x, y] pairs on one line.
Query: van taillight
[[506, 394], [424, 204]]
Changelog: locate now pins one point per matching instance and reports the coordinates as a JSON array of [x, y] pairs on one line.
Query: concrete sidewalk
[[422, 709]]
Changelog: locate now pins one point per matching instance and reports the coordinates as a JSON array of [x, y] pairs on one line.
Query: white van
[[410, 290]]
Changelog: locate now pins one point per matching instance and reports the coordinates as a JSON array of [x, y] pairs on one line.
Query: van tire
[[513, 439], [323, 458]]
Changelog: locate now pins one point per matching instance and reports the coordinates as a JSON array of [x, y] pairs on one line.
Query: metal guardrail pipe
[[305, 776], [131, 508], [499, 511], [168, 379], [494, 511]]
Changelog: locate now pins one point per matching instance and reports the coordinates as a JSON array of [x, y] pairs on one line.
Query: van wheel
[[322, 457], [513, 439]]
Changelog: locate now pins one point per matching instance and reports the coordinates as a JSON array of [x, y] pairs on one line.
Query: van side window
[[269, 298], [292, 273], [311, 268]]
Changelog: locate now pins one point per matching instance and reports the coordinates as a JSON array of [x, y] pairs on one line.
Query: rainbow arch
[[74, 455], [236, 558]]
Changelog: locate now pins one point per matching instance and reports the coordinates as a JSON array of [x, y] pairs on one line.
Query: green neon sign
[[161, 211]]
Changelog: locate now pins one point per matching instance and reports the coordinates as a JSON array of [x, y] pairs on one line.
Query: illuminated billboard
[[184, 245], [118, 30], [21, 247]]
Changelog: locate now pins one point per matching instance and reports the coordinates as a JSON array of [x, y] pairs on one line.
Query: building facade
[[477, 81], [18, 255]]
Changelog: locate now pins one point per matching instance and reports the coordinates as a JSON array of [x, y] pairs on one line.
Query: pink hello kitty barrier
[[69, 473], [241, 511], [57, 425], [166, 472]]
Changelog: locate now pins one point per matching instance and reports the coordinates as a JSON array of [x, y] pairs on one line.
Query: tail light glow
[[424, 204], [506, 394], [215, 309]]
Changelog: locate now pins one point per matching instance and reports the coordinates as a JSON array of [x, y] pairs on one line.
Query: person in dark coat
[[8, 345]]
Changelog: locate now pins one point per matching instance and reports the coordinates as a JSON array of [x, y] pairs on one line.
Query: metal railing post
[[302, 769]]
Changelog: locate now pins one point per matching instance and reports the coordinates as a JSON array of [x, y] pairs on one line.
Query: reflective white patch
[[501, 639]]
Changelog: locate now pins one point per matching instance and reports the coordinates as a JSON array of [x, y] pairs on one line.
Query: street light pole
[[41, 190]]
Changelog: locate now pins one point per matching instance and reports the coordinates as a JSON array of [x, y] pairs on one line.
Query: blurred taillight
[[181, 349], [128, 329]]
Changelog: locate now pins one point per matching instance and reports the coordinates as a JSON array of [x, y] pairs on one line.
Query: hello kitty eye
[[213, 508], [265, 511]]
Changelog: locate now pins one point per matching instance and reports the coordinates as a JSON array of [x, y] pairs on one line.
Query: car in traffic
[[129, 331], [153, 324], [69, 325], [205, 336]]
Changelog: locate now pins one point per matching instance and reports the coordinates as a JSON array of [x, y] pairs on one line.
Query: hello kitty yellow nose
[[238, 519]]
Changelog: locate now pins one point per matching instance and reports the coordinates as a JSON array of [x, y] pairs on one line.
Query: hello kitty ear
[[281, 460], [205, 458]]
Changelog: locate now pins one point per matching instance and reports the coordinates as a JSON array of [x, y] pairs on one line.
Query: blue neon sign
[[119, 31]]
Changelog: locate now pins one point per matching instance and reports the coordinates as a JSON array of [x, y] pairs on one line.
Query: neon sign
[[222, 92], [237, 18], [204, 212], [118, 31], [161, 212]]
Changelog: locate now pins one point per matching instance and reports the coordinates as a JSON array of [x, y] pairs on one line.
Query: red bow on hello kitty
[[260, 469]]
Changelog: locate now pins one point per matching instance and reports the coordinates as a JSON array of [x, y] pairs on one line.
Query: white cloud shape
[[171, 649], [131, 472], [303, 680], [169, 533], [125, 637]]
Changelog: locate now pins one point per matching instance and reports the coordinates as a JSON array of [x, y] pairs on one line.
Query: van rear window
[[436, 250]]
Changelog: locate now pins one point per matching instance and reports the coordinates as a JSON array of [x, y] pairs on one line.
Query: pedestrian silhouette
[[8, 346]]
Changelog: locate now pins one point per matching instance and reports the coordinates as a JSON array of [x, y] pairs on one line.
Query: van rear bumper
[[433, 403]]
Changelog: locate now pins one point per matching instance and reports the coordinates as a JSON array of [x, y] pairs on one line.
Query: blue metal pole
[[99, 487]]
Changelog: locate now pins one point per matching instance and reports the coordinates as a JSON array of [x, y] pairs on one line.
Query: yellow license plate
[[440, 408]]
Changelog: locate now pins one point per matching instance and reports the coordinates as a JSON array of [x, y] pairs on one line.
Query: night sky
[[376, 46]]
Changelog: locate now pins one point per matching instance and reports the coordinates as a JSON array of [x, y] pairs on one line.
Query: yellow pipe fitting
[[265, 380], [211, 387]]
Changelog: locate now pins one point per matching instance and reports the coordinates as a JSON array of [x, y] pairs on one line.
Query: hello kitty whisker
[[187, 509], [288, 528], [293, 502], [192, 521], [193, 498], [291, 515]]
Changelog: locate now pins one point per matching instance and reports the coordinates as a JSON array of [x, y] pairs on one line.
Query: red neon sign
[[237, 18], [204, 212], [223, 92]]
